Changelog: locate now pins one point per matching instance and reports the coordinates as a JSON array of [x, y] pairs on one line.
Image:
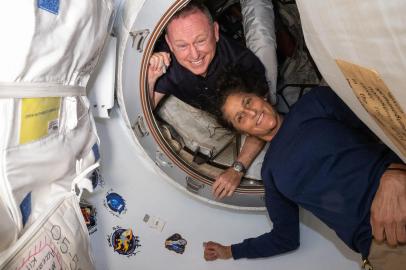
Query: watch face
[[237, 166]]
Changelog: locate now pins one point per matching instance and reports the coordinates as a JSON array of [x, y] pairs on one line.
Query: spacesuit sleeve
[[282, 238]]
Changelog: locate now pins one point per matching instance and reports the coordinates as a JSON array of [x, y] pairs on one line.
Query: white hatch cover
[[359, 48]]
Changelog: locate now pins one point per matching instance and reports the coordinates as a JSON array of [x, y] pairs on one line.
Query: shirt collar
[[214, 62]]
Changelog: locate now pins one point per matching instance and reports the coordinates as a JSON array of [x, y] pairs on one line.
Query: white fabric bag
[[58, 240], [369, 36]]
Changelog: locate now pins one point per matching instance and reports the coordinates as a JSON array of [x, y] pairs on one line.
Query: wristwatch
[[239, 167]]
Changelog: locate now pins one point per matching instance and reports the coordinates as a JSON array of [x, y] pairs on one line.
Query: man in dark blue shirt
[[321, 157], [200, 90], [190, 70]]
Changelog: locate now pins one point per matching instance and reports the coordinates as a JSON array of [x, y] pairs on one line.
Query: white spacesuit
[[48, 141]]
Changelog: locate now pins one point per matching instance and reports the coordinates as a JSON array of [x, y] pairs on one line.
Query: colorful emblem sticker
[[123, 241], [176, 243], [115, 203], [89, 214], [97, 179]]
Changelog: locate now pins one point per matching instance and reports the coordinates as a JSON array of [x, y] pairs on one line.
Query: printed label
[[39, 117], [53, 126], [154, 222], [378, 101]]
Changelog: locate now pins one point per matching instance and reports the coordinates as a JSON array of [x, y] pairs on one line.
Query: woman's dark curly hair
[[237, 80]]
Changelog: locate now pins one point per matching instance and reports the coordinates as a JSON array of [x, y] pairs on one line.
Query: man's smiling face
[[192, 39]]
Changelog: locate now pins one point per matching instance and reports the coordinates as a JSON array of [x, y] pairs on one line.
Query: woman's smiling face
[[251, 114]]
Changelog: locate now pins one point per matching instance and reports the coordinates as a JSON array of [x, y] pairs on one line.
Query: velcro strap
[[35, 90]]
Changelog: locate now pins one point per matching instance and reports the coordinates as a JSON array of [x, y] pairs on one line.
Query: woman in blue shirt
[[321, 157]]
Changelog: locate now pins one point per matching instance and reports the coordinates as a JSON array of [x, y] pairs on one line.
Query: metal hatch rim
[[148, 113]]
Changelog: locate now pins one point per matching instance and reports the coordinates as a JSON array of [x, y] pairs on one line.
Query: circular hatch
[[181, 149]]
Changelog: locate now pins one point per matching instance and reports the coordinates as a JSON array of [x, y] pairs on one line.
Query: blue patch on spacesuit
[[96, 152], [25, 208], [49, 5]]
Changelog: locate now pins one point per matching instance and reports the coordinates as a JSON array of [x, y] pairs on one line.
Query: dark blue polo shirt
[[199, 91], [326, 160]]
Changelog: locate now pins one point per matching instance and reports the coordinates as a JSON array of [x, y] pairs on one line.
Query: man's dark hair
[[235, 80], [191, 8]]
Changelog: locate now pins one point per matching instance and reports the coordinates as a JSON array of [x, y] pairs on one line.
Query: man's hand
[[226, 183], [158, 63], [388, 209], [214, 251]]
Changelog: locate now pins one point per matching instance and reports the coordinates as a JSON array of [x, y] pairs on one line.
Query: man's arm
[[158, 63], [388, 209], [228, 181]]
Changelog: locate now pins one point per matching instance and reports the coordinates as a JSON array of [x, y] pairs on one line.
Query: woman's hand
[[214, 251]]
